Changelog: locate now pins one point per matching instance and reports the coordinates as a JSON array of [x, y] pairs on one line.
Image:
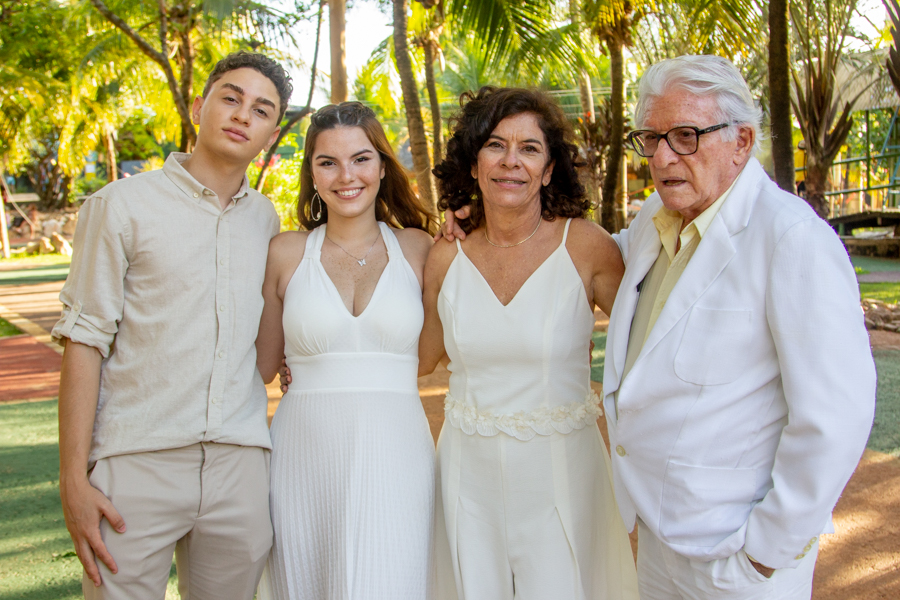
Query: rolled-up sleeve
[[93, 295]]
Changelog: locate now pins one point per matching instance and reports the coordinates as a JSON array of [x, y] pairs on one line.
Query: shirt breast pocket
[[715, 346]]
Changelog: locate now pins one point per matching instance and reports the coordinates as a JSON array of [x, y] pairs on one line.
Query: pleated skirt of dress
[[352, 498]]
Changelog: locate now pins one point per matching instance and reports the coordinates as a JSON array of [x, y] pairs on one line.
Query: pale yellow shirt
[[167, 286], [665, 272]]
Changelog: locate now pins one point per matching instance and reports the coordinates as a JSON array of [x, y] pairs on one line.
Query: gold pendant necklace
[[511, 245], [361, 261]]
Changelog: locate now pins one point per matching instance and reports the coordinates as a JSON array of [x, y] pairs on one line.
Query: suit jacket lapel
[[626, 302], [712, 255]]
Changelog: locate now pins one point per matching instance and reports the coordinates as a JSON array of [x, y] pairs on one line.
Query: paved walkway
[[30, 363]]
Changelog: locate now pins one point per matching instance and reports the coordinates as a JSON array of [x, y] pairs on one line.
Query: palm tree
[[612, 22], [823, 29], [178, 26], [780, 94], [428, 38], [893, 61], [337, 11], [418, 142]]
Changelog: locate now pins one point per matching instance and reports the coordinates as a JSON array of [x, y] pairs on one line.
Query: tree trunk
[[418, 142], [586, 95], [622, 195], [337, 10], [780, 95], [437, 133], [616, 132], [182, 102], [112, 168], [816, 186]]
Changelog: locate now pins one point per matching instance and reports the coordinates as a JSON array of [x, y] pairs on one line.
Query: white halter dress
[[352, 472], [525, 487]]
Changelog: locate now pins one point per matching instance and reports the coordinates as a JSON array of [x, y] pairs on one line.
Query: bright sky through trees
[[367, 27]]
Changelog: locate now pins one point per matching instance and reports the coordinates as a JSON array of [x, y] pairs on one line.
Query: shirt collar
[[176, 172], [666, 219], [668, 224]]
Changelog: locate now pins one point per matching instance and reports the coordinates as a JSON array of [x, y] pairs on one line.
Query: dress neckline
[[385, 232], [562, 246]]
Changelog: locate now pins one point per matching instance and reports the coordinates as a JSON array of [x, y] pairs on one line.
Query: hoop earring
[[318, 213]]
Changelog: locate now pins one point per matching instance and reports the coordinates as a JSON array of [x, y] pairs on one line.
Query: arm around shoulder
[[431, 341], [285, 253]]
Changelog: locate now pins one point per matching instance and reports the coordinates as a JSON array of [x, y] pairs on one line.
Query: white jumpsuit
[[524, 478]]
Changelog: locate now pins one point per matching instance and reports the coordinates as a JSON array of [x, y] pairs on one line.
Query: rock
[[60, 245], [68, 227], [51, 226]]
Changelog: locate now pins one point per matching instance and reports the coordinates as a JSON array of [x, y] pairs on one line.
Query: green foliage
[[885, 291], [85, 187], [282, 185]]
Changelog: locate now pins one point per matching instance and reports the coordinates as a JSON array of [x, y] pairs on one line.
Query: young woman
[[352, 471]]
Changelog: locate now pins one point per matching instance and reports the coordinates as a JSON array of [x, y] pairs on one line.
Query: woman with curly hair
[[352, 472], [524, 482]]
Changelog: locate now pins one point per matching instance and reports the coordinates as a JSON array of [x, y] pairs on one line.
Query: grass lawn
[[886, 291], [37, 561], [7, 329], [598, 355], [885, 436], [873, 264], [31, 274], [37, 260]]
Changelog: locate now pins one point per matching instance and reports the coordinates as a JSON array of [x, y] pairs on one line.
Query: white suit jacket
[[751, 401]]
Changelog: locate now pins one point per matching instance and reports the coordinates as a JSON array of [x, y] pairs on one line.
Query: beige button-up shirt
[[678, 246], [168, 287]]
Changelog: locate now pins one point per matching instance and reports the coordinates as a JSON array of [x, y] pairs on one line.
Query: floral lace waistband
[[523, 425]]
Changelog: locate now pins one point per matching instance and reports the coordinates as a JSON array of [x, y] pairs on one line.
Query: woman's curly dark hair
[[479, 115]]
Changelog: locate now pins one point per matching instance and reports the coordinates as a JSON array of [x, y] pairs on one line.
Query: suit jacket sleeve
[[828, 376]]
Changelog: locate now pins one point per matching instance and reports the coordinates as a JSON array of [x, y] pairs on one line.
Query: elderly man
[[739, 385]]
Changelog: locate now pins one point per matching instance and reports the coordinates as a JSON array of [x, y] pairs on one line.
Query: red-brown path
[[29, 370]]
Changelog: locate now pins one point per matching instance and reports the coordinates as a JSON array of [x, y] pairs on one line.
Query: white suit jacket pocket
[[701, 506], [712, 350]]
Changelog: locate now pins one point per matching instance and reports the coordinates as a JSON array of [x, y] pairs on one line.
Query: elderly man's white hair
[[703, 75]]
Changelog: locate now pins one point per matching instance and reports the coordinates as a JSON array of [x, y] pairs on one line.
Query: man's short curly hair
[[479, 115], [260, 63]]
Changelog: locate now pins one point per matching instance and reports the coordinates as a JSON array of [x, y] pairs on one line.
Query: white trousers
[[663, 574], [530, 520]]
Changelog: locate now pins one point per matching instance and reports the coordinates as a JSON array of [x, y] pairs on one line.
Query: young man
[[162, 413]]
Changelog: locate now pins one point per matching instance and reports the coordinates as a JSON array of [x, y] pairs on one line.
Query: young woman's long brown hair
[[396, 204]]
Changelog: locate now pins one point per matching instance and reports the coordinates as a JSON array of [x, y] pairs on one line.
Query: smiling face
[[690, 184], [238, 118], [514, 163], [347, 171]]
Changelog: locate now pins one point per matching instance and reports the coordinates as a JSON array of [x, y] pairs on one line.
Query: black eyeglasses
[[682, 140]]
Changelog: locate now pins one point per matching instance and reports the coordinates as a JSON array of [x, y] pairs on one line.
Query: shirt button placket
[[217, 384]]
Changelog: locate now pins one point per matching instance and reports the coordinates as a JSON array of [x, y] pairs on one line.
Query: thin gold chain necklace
[[361, 261], [511, 245]]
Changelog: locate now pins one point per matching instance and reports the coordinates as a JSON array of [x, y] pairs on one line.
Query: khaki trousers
[[208, 503]]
